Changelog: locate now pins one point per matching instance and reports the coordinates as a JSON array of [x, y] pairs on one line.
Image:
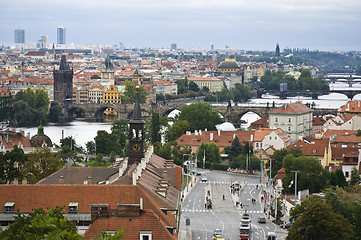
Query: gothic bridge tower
[[63, 83]]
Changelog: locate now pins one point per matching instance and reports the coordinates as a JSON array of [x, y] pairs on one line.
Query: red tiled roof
[[296, 107], [351, 107]]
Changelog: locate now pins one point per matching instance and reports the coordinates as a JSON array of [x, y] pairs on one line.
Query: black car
[[261, 220]]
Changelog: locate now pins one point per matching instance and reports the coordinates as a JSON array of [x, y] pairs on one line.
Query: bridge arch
[[168, 111], [76, 112], [145, 114], [99, 112]]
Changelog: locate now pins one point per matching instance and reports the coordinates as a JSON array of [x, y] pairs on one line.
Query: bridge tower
[[63, 83]]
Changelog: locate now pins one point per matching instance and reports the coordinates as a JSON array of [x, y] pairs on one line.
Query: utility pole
[[270, 187], [296, 171]]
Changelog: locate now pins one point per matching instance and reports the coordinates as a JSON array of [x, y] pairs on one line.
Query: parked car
[[204, 179], [261, 220], [271, 236]]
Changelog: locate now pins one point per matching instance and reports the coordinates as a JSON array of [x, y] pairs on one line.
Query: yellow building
[[112, 94], [212, 83], [229, 65]]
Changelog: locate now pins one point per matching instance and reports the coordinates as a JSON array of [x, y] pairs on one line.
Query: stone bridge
[[308, 93], [125, 111]]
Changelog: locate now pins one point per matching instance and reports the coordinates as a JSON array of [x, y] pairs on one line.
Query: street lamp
[[187, 168], [295, 171]]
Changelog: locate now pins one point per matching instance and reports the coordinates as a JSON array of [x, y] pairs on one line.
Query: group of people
[[253, 201]]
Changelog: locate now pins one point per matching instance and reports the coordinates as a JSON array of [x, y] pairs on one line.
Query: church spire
[[63, 64], [108, 64], [137, 112]]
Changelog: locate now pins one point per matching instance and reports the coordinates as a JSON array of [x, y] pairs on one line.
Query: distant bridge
[[309, 93], [232, 114], [343, 77]]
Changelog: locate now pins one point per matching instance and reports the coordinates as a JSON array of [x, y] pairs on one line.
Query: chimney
[[141, 204], [211, 136], [195, 132], [219, 132], [285, 106], [234, 136], [251, 138], [205, 129], [200, 132], [358, 104], [188, 132]]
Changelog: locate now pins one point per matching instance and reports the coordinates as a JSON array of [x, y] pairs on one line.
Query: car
[[261, 220], [217, 232], [218, 237], [286, 225], [198, 173], [271, 236], [204, 179]]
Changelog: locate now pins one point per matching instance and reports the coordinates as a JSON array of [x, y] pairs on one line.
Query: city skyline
[[258, 25]]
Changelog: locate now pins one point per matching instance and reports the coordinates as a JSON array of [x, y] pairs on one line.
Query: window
[[257, 145], [270, 138], [9, 207], [346, 174], [276, 119], [289, 119], [73, 207], [289, 128], [145, 235]]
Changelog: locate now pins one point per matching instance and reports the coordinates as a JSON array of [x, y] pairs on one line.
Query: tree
[[316, 216], [355, 177], [211, 150], [41, 164], [90, 147], [39, 225], [10, 163], [153, 127], [176, 130], [71, 143], [66, 154], [182, 85], [106, 143], [312, 175], [164, 150], [25, 115], [193, 86], [235, 149], [276, 161], [200, 115], [241, 93], [108, 236], [121, 130], [55, 112], [178, 151], [41, 100], [337, 178], [130, 93]]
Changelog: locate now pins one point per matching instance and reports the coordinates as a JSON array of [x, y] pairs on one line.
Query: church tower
[[136, 134], [63, 83], [108, 73], [277, 53]]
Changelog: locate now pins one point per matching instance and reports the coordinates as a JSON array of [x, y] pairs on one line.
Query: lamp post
[[270, 187], [296, 171], [187, 168]]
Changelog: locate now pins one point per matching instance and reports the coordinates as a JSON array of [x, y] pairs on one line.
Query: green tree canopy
[[41, 225], [355, 177], [121, 130], [176, 130], [316, 216], [106, 143], [241, 93], [130, 93], [235, 149], [9, 163], [41, 164], [200, 115], [211, 151], [312, 175], [193, 86], [55, 112]]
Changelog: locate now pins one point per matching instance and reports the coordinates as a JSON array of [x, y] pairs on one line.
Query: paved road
[[224, 214]]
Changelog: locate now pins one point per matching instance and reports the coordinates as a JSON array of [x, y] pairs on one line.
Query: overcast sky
[[241, 24]]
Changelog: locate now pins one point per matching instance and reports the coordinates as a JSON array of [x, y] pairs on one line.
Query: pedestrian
[[223, 197], [241, 205], [205, 205]]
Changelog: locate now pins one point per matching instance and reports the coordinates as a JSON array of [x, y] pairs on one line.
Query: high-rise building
[[212, 46], [173, 46], [61, 37], [19, 36], [42, 42], [277, 54]]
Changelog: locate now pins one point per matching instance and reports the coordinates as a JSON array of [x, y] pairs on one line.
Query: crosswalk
[[229, 183], [242, 211], [196, 210]]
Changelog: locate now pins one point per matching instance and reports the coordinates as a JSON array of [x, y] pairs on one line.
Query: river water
[[83, 132]]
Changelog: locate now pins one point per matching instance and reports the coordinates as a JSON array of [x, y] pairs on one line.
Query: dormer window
[[9, 207], [73, 207]]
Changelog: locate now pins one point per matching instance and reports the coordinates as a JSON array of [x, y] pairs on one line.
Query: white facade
[[274, 140], [296, 124]]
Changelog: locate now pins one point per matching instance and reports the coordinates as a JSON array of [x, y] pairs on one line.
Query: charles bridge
[[232, 114]]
